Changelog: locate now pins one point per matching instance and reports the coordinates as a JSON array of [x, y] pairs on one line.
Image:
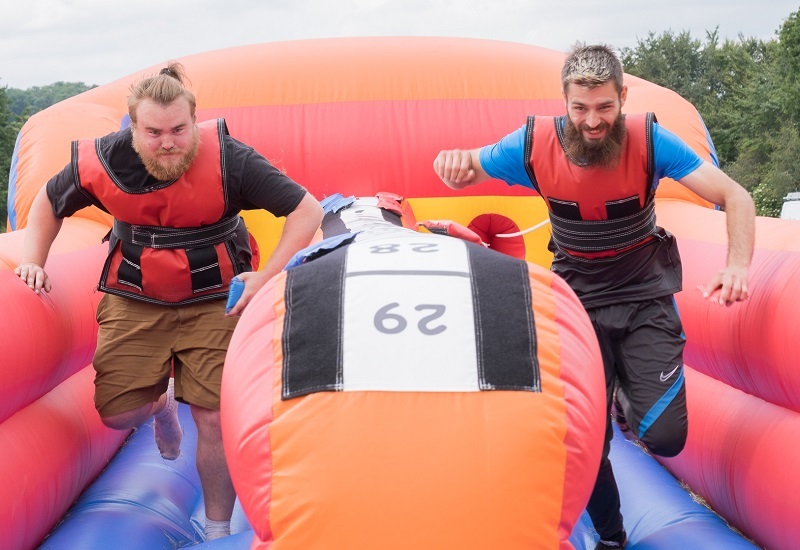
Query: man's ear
[[623, 94]]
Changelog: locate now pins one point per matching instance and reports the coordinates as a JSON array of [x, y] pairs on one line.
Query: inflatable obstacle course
[[364, 115]]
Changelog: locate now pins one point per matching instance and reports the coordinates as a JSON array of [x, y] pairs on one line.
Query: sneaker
[[617, 541]]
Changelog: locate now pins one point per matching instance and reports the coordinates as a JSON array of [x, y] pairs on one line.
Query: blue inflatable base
[[143, 501]]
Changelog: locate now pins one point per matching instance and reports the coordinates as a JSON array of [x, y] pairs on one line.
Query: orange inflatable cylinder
[[750, 345], [52, 449], [366, 433], [49, 336], [740, 456]]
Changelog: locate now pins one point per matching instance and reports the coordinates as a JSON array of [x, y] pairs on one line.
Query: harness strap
[[601, 235], [204, 266], [172, 237], [130, 270]]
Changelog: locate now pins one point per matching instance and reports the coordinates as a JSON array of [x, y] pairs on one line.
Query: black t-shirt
[[252, 182]]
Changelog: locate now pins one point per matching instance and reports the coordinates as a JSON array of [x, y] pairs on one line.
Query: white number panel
[[408, 320]]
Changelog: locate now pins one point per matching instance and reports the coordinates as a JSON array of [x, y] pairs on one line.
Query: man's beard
[[604, 153], [173, 170]]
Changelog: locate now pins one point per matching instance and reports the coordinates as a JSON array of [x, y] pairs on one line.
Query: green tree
[[15, 108], [788, 61], [9, 127], [748, 93], [669, 60], [710, 75], [38, 98], [731, 69], [767, 118], [769, 168]]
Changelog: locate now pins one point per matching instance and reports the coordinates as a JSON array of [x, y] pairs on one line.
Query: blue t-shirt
[[505, 160]]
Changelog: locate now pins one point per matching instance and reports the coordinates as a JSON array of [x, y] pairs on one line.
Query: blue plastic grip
[[234, 293]]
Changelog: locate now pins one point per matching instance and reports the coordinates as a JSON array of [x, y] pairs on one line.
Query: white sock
[[217, 529], [170, 404], [167, 428]]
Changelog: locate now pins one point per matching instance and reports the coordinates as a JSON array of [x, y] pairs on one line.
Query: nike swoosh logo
[[665, 377]]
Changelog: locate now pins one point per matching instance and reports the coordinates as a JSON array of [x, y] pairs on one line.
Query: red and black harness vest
[[170, 243], [594, 212]]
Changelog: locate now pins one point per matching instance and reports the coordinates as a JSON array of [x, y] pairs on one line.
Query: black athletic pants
[[642, 347]]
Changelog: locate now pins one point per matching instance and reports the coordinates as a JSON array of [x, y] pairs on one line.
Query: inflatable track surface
[[357, 117]]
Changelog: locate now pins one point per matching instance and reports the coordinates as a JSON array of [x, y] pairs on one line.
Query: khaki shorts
[[139, 344]]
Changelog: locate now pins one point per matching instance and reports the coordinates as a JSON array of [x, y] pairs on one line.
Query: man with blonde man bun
[[175, 188]]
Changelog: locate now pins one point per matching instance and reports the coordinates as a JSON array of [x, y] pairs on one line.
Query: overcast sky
[[98, 41]]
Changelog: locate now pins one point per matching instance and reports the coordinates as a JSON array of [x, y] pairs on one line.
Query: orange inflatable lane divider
[[482, 467]]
